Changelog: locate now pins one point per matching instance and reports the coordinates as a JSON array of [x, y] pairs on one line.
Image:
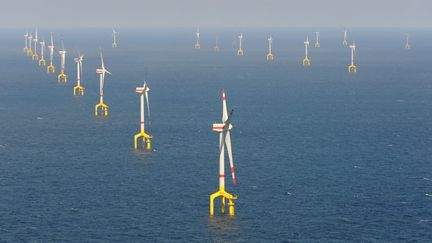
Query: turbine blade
[[221, 147], [230, 156], [224, 107], [102, 61], [81, 69], [228, 120], [147, 101]]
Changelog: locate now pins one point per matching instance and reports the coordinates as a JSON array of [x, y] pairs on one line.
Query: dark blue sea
[[321, 155]]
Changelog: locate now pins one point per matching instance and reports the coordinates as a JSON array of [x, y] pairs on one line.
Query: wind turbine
[[101, 71], [306, 60], [224, 129], [35, 40], [216, 47], [146, 138], [407, 44], [197, 43], [25, 42], [29, 49], [78, 89], [51, 68], [42, 60], [240, 51], [62, 77], [317, 42], [352, 68], [270, 54], [345, 38], [114, 44]]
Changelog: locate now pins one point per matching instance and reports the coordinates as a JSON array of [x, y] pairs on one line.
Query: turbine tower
[[216, 47], [407, 44], [78, 89], [114, 44], [240, 51], [62, 77], [352, 68], [42, 60], [35, 56], [25, 42], [306, 60], [197, 43], [317, 42], [51, 68], [101, 71], [345, 38], [146, 138], [29, 49], [270, 54], [224, 129]]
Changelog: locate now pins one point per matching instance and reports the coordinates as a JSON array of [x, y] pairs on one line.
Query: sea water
[[320, 154]]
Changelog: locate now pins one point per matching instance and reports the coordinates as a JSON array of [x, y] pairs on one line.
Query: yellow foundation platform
[[114, 45], [269, 57], [78, 90], [240, 52], [35, 56], [146, 140], [352, 68], [223, 195], [42, 62], [306, 61], [50, 69], [62, 78], [103, 109]]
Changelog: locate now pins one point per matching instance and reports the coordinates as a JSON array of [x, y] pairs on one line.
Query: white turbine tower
[[197, 43], [62, 77], [270, 54], [42, 60], [51, 68], [25, 42], [317, 42], [29, 50], [216, 47], [407, 44], [78, 89], [352, 68], [35, 40], [240, 51], [114, 44], [345, 38], [101, 71], [306, 60], [224, 129], [146, 138]]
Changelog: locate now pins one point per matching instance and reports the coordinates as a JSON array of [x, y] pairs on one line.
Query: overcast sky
[[213, 13]]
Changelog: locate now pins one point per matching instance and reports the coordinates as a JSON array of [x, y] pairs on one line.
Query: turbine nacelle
[[102, 71], [221, 127]]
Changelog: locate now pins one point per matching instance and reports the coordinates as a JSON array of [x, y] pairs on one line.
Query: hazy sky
[[232, 13]]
